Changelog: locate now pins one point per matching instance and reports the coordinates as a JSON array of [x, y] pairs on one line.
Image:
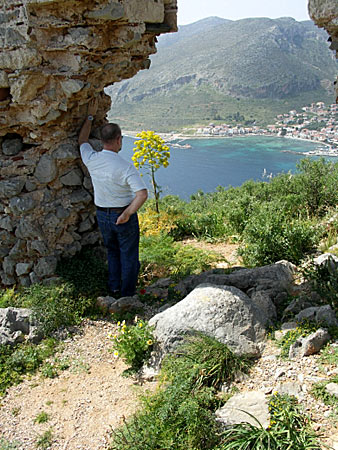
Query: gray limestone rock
[[8, 265], [67, 152], [297, 305], [45, 266], [16, 325], [11, 147], [80, 196], [62, 213], [18, 249], [46, 170], [242, 406], [290, 388], [72, 178], [263, 302], [23, 268], [10, 188], [112, 11], [22, 205], [223, 312], [6, 223], [7, 280], [309, 345], [123, 304], [38, 246], [27, 229], [321, 314], [275, 277]]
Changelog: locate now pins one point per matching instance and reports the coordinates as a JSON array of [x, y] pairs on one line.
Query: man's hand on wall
[[93, 106]]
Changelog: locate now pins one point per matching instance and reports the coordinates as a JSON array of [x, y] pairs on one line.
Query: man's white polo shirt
[[114, 180]]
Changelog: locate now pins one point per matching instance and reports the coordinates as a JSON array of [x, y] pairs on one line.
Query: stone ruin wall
[[325, 15], [55, 56]]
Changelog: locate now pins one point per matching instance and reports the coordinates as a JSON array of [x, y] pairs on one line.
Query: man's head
[[111, 137]]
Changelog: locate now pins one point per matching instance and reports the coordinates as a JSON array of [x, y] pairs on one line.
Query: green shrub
[[271, 235], [25, 358], [179, 416], [319, 391], [160, 256], [324, 281], [56, 306], [133, 343], [317, 185]]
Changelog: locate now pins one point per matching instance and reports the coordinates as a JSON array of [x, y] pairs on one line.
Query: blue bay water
[[214, 162]]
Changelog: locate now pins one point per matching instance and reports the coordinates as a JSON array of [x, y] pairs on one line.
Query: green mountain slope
[[215, 68]]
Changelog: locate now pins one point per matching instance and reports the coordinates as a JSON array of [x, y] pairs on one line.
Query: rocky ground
[[82, 403], [90, 397]]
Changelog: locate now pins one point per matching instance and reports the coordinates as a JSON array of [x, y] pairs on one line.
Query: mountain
[[250, 69]]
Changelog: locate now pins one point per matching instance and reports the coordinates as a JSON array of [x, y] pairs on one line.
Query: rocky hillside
[[216, 59]]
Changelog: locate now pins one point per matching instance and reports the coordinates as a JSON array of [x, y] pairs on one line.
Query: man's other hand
[[123, 218]]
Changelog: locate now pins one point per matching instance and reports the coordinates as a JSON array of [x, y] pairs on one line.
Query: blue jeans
[[122, 243]]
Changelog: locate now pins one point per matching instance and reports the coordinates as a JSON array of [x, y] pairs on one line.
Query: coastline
[[169, 137]]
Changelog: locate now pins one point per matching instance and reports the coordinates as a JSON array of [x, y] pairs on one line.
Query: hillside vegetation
[[290, 217], [214, 68]]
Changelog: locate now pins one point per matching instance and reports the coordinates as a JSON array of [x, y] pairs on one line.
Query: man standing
[[119, 192]]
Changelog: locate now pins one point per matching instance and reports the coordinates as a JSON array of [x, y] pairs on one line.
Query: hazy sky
[[192, 10]]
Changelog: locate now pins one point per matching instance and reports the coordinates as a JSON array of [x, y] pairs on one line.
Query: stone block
[[70, 87], [11, 147], [4, 83], [23, 58], [46, 170], [149, 11], [72, 178], [10, 188], [23, 268], [25, 88], [22, 205], [67, 152], [242, 406], [6, 223], [45, 266], [112, 11]]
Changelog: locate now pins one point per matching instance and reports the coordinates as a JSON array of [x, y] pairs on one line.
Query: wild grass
[[180, 414], [289, 429]]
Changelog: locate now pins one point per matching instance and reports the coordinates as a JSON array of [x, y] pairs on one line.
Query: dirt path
[[82, 404], [91, 396], [227, 251]]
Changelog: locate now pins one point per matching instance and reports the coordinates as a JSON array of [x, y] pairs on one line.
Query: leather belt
[[115, 210]]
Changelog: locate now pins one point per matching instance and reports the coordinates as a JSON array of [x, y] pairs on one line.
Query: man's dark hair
[[110, 132]]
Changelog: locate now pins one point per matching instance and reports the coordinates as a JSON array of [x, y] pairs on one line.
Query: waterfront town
[[316, 122]]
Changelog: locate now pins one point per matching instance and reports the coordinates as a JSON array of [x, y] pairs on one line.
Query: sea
[[212, 162]]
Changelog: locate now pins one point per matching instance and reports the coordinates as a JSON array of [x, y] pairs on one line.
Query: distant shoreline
[[180, 136]]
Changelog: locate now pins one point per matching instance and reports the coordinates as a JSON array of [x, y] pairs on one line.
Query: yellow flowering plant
[[133, 343], [151, 152]]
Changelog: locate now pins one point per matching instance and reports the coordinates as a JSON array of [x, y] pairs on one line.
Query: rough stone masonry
[[55, 56], [325, 14]]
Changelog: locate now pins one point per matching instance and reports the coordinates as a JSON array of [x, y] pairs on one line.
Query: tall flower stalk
[[150, 152]]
